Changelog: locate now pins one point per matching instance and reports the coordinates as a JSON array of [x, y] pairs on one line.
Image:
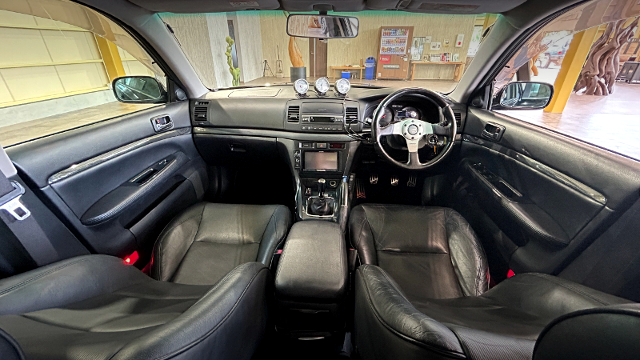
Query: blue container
[[370, 68], [346, 74]]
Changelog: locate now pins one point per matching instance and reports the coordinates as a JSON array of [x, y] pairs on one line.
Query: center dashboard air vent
[[351, 115], [200, 110], [293, 114]]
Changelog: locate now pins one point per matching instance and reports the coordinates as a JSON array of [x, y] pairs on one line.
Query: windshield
[[392, 49]]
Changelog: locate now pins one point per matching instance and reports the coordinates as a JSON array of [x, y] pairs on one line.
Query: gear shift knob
[[321, 184]]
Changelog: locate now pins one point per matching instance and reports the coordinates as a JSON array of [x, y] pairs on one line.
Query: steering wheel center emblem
[[412, 129]]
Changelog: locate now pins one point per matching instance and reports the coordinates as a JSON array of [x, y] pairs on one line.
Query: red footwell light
[[131, 259], [510, 273]]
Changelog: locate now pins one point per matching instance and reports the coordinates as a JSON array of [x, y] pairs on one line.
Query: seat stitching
[[283, 237], [359, 234], [570, 288], [39, 276], [209, 333], [161, 241], [193, 240], [413, 252], [395, 332], [52, 324]]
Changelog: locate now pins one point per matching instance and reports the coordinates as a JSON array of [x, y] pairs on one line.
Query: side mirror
[[523, 95], [139, 89], [322, 26]]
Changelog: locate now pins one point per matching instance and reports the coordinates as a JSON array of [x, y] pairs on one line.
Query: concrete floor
[[17, 133], [611, 122]]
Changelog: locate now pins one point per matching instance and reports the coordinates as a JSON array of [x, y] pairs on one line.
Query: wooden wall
[[273, 25], [439, 27]]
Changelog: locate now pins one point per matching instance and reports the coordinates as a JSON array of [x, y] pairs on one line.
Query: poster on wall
[[385, 59], [474, 43], [459, 40], [436, 45], [417, 46], [394, 42]]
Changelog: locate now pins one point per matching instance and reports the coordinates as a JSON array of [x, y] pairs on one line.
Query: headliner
[[417, 6]]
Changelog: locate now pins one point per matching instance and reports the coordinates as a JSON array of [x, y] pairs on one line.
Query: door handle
[[162, 123], [493, 131]]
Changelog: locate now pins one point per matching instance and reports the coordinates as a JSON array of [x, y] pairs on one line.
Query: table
[[457, 74], [345, 68]]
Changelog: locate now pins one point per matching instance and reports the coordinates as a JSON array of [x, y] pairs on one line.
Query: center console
[[311, 281], [321, 170]]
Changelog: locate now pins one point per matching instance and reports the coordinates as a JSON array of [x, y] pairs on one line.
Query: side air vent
[[351, 114], [458, 117], [200, 110], [293, 114]]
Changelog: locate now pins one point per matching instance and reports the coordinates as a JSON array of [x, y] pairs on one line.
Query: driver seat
[[422, 290]]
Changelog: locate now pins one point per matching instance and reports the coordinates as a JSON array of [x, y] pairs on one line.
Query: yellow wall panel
[[124, 55], [54, 24], [135, 67], [5, 96], [32, 82], [16, 19], [65, 46], [22, 46], [78, 77]]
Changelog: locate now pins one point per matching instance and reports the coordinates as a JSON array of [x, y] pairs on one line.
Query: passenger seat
[[206, 241], [96, 307]]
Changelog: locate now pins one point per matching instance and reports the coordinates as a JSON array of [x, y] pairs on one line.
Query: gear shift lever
[[321, 183], [320, 206]]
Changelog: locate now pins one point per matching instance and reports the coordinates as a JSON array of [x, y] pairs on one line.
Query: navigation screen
[[317, 160]]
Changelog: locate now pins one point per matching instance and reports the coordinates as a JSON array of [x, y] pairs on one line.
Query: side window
[[591, 55], [56, 69]]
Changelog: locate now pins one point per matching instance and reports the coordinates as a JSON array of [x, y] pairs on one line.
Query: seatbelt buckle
[[11, 203]]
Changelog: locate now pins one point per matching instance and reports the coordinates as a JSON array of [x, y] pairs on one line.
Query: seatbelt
[[19, 219]]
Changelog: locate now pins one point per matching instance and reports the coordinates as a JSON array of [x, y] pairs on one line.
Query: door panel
[[116, 183], [547, 195]]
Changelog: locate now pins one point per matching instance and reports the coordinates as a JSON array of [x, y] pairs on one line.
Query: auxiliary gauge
[[322, 86], [301, 86], [342, 86]]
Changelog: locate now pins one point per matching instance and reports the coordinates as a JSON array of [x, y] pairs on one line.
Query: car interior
[[340, 222]]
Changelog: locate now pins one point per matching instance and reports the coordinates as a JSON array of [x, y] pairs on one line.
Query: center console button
[[306, 145], [321, 145]]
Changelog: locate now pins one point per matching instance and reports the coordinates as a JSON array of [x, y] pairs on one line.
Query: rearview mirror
[[523, 95], [139, 89], [322, 26]]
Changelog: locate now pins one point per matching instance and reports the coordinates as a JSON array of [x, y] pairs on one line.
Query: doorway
[[317, 58]]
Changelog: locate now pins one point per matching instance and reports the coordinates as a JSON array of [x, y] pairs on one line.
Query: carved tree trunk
[[294, 53], [599, 72]]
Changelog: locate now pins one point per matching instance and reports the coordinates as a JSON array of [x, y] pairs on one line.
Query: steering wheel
[[415, 131]]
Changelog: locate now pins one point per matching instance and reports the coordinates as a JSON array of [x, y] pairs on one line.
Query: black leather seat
[[96, 307], [422, 291], [206, 241]]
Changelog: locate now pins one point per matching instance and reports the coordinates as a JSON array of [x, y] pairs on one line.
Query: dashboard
[[280, 108]]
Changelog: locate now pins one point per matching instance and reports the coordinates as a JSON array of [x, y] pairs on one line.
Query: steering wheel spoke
[[414, 157], [392, 129]]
